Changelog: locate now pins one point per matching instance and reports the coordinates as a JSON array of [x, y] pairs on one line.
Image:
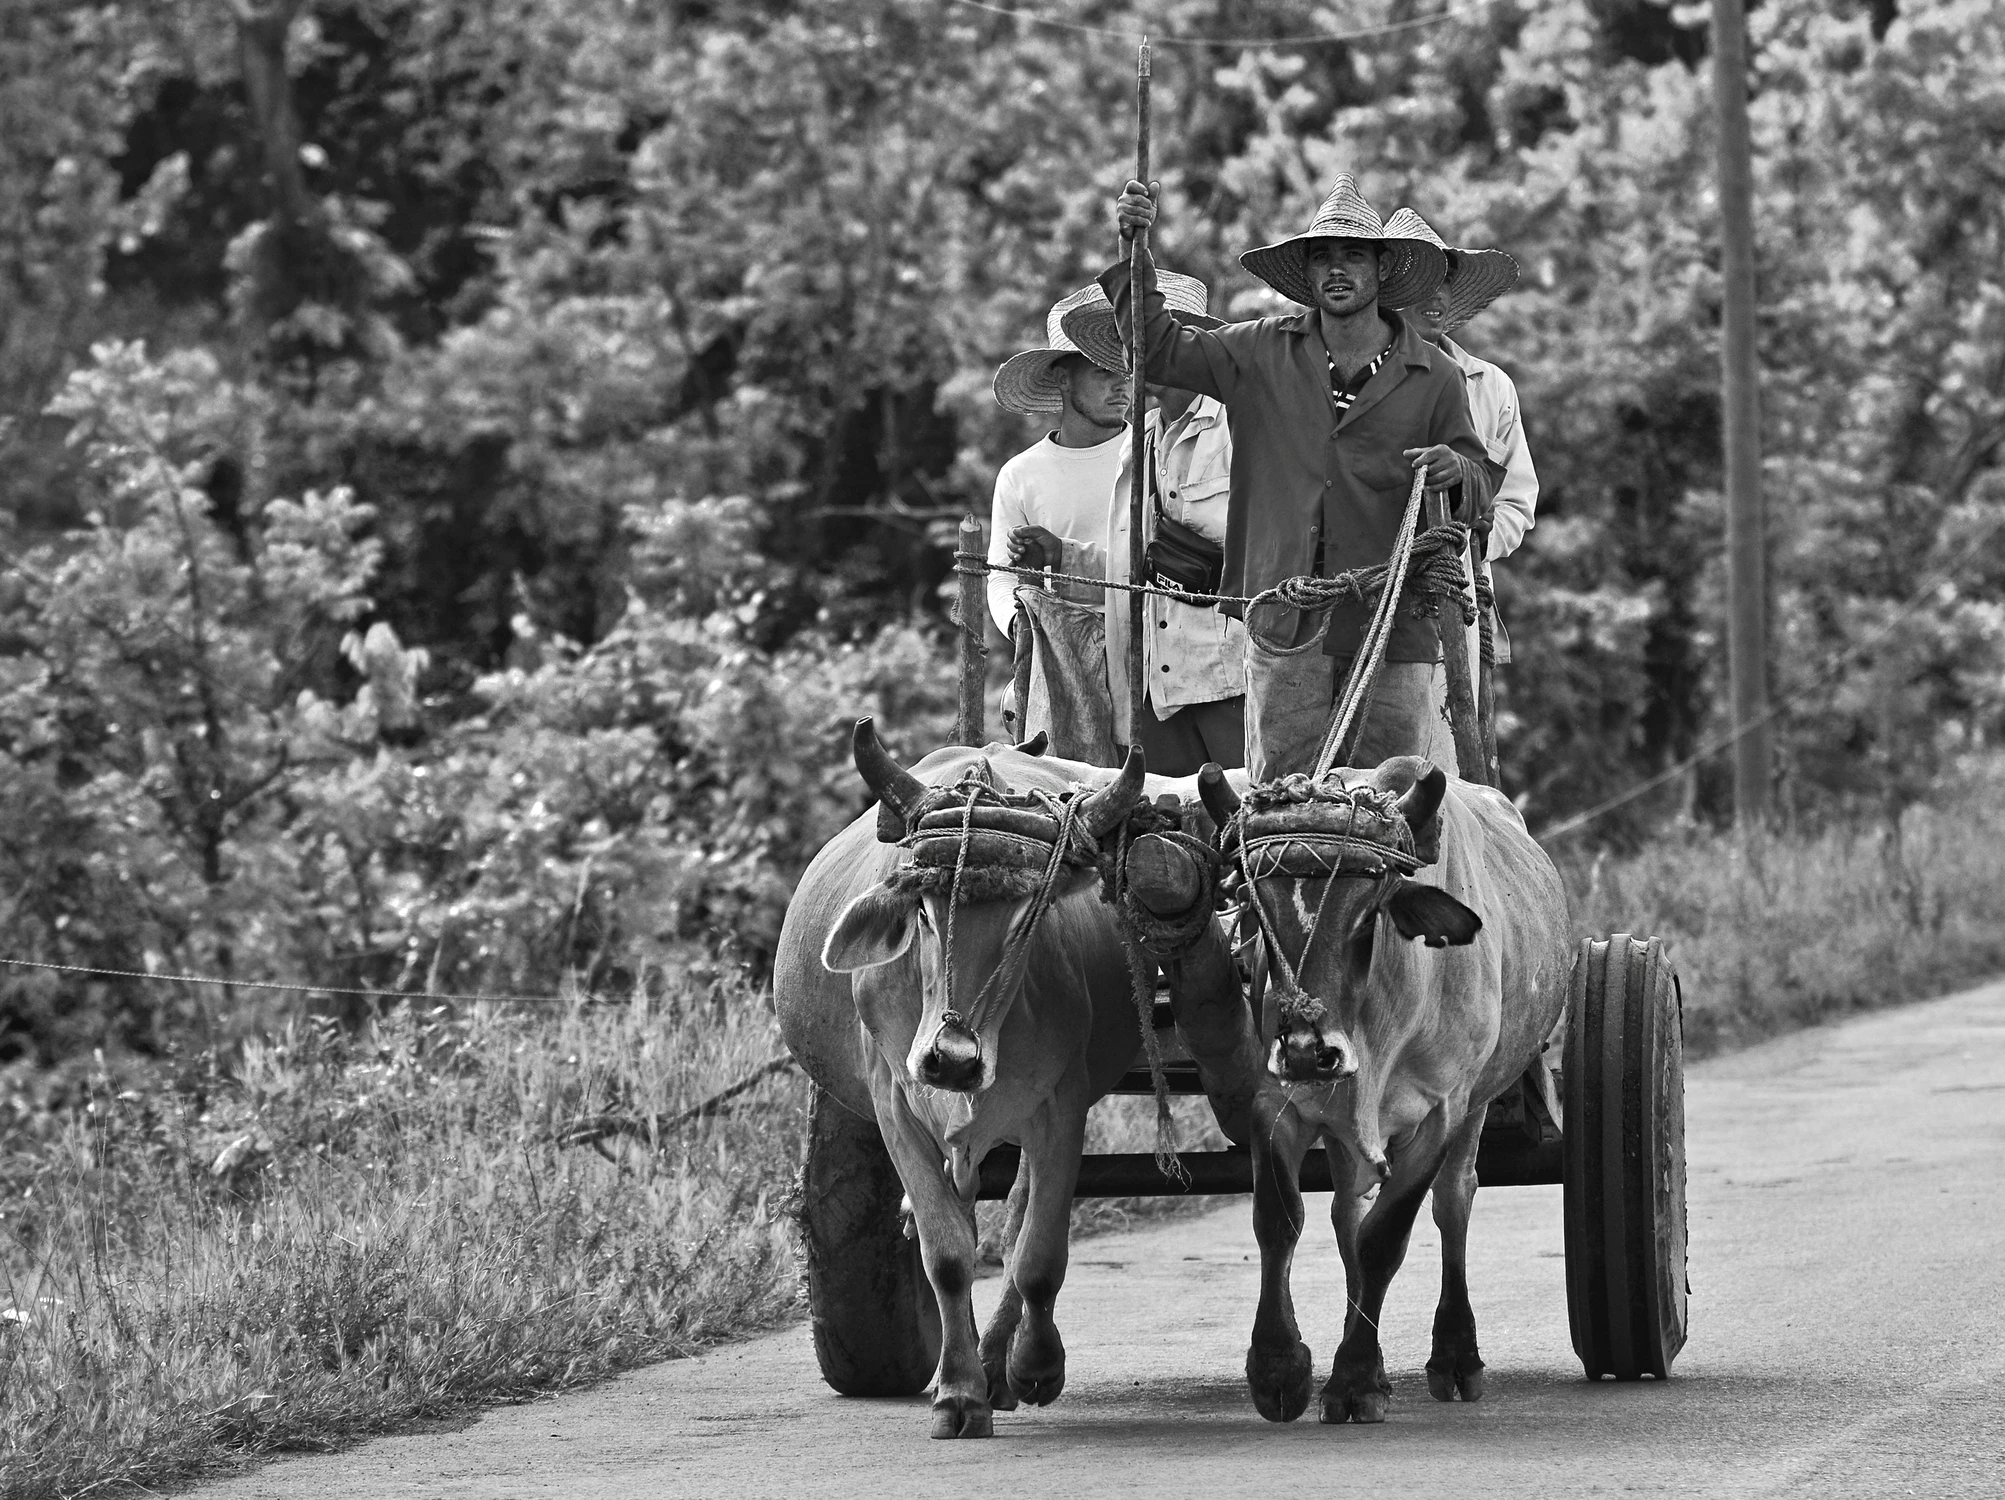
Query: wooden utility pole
[[1747, 589], [1138, 411]]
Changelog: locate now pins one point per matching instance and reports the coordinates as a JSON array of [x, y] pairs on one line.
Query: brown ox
[[861, 989], [1413, 1041]]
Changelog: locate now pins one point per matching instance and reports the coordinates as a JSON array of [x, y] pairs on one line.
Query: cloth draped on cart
[[1059, 678]]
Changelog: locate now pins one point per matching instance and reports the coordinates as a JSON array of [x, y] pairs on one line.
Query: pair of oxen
[[1396, 1010]]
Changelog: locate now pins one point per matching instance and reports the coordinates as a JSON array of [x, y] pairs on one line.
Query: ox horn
[[1037, 744], [895, 786], [1219, 799], [1103, 809], [1422, 800]]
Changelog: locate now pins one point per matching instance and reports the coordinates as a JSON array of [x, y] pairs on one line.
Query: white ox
[[1394, 1077]]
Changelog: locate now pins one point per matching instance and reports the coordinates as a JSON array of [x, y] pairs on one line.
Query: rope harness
[[1309, 829], [977, 844]]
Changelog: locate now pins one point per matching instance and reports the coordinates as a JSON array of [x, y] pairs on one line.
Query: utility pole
[[1747, 590]]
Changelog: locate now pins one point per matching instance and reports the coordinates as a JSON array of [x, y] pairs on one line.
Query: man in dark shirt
[[1332, 410]]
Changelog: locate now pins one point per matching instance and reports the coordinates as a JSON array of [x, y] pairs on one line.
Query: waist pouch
[[1185, 557]]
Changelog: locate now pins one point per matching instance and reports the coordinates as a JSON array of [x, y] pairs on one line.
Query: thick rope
[[1068, 847], [950, 1015], [1355, 706], [1435, 571], [1486, 614], [1345, 855]]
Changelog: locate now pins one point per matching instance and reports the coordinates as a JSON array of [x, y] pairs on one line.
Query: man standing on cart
[[1475, 279], [1194, 655], [1332, 411], [1050, 513]]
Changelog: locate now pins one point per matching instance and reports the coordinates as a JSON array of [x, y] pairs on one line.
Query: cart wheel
[[1624, 1153], [876, 1325]]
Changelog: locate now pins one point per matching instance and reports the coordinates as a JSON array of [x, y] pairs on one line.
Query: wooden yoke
[[1454, 632], [973, 612]]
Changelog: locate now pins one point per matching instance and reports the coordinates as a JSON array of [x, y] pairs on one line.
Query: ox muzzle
[[1311, 1051], [951, 1061]]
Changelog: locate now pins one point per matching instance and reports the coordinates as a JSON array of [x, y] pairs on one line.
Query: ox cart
[[1601, 1114]]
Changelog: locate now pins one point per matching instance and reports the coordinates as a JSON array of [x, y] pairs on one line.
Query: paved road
[[1848, 1316]]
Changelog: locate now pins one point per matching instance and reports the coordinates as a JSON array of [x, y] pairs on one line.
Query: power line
[[1776, 704], [1315, 39], [266, 984]]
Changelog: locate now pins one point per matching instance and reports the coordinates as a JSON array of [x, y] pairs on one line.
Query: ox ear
[[873, 929], [1428, 912]]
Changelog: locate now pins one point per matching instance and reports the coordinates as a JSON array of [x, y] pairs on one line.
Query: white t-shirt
[[1065, 491]]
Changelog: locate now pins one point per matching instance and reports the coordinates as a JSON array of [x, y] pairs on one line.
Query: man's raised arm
[[1191, 359]]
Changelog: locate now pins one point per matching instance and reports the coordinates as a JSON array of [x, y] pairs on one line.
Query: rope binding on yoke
[[1310, 828], [976, 843]]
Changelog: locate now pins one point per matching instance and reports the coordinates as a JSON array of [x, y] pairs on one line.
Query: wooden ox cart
[[1604, 1118]]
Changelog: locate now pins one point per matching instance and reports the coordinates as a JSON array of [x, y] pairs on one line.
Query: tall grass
[[349, 1231], [355, 1232], [1780, 932]]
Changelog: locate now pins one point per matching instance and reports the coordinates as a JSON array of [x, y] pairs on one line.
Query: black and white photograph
[[784, 749]]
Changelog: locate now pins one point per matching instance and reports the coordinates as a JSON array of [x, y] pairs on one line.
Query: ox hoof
[[1354, 1395], [1280, 1381], [1001, 1397], [1036, 1367], [962, 1417], [1362, 1407], [1452, 1375]]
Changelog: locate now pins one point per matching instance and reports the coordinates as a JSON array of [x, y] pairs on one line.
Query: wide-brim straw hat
[[1417, 269], [1475, 279], [1092, 327], [1027, 383]]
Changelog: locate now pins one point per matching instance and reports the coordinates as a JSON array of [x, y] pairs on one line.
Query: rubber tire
[[1624, 1155], [876, 1325]]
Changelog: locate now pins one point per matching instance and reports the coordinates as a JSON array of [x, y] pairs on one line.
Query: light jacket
[[1304, 478], [1192, 653], [1493, 407]]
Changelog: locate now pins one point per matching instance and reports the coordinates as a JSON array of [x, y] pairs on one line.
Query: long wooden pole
[[1747, 591], [1138, 401], [1453, 630], [1486, 675], [973, 611]]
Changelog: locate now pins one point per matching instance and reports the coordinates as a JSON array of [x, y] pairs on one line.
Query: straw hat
[[1475, 279], [1092, 327], [1418, 267], [1027, 383]]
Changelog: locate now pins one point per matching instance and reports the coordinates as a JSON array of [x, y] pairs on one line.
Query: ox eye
[[1362, 939]]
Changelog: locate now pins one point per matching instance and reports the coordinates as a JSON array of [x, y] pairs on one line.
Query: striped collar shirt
[[1344, 392]]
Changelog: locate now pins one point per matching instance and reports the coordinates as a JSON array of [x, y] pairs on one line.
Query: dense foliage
[[468, 459]]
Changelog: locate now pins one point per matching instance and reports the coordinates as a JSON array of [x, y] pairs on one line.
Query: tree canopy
[[468, 460]]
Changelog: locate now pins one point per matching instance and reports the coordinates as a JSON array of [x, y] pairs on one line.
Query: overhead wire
[[1843, 658], [1311, 39]]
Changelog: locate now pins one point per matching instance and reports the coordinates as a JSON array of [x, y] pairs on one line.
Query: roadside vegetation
[[349, 1229], [464, 468], [1792, 930]]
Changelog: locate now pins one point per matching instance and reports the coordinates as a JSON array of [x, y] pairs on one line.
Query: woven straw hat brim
[[1476, 278], [1093, 329], [1415, 275], [1027, 383]]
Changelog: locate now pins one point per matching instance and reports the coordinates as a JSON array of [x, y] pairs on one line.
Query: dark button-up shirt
[[1304, 476]]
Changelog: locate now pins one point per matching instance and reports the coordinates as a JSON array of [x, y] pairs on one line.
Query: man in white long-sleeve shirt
[[1050, 506]]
